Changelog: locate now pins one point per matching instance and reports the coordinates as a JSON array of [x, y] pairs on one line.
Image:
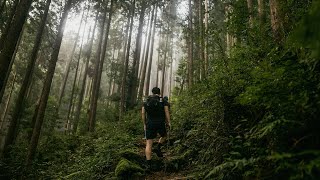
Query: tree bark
[[142, 57], [276, 16], [97, 81], [124, 50], [201, 45], [69, 123], [4, 122], [65, 79], [5, 111], [144, 68], [10, 66], [158, 60], [164, 66], [125, 71], [190, 47], [12, 39], [261, 13], [83, 86], [47, 85], [151, 54], [6, 30], [19, 106], [206, 57], [249, 5], [135, 64], [2, 5]]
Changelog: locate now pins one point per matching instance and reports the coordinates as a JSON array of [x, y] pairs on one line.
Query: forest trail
[[163, 174]]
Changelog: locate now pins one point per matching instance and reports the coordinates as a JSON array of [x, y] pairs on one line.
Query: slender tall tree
[[190, 47], [276, 16], [12, 39], [164, 64], [2, 5], [206, 19], [84, 80], [3, 121], [6, 30], [135, 63], [46, 88], [2, 91], [144, 68], [97, 81], [123, 58], [158, 59], [261, 13], [6, 106], [151, 53], [126, 64], [67, 71], [201, 44], [71, 104], [250, 10], [18, 109]]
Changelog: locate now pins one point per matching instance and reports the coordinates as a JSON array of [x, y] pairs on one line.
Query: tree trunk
[[164, 66], [111, 76], [19, 106], [201, 45], [135, 64], [6, 30], [125, 71], [197, 39], [5, 111], [4, 123], [2, 5], [65, 78], [249, 5], [10, 66], [151, 54], [83, 86], [170, 79], [144, 49], [124, 51], [71, 103], [190, 48], [276, 17], [95, 75], [47, 85], [144, 68], [12, 39], [158, 60], [206, 19], [261, 13], [97, 81]]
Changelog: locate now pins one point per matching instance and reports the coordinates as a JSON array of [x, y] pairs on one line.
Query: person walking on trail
[[155, 117]]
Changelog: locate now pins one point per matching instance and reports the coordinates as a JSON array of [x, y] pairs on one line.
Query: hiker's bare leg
[[149, 149]]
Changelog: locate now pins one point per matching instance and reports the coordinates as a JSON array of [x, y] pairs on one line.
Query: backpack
[[153, 106]]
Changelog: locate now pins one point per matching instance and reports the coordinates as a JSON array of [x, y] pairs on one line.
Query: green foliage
[[127, 169], [255, 116]]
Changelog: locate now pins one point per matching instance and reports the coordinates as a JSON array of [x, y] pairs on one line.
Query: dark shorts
[[154, 129]]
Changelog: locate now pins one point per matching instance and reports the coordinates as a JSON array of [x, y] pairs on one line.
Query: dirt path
[[160, 175]]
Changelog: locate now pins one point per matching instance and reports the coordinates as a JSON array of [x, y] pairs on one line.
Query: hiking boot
[[148, 167], [158, 151]]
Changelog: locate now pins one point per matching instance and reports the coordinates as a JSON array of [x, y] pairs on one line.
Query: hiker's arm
[[143, 115], [166, 110]]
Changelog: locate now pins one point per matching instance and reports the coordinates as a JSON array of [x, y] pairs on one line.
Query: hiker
[[166, 100], [155, 117]]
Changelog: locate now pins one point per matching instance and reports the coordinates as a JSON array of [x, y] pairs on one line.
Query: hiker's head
[[155, 90]]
